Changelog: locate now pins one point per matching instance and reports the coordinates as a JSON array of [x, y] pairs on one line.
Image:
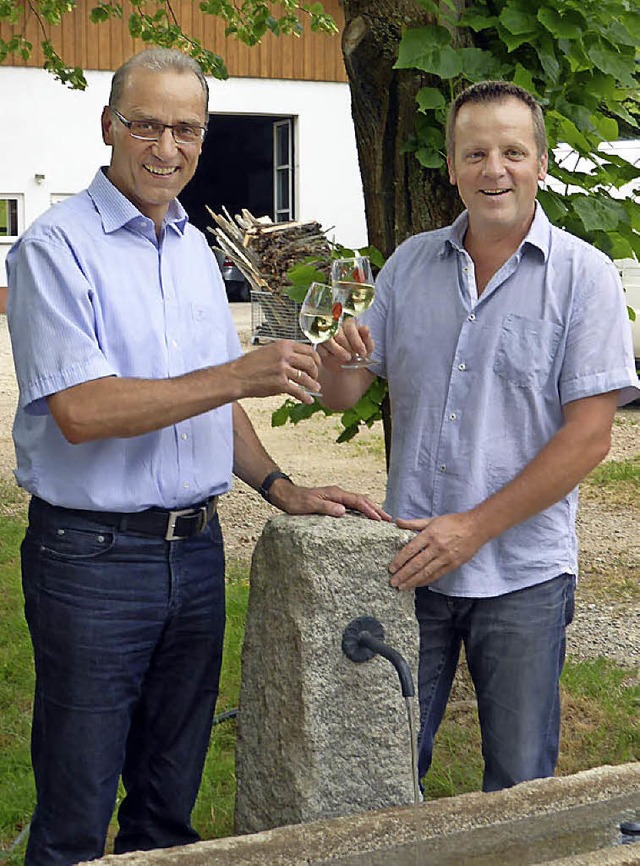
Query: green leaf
[[570, 134], [523, 78], [280, 416], [548, 59], [598, 212], [430, 158], [480, 65], [477, 21], [429, 97], [429, 6], [553, 205], [429, 49], [614, 62], [570, 26], [606, 126], [518, 20]]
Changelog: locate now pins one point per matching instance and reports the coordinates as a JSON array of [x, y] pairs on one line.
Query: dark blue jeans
[[515, 647], [127, 634]]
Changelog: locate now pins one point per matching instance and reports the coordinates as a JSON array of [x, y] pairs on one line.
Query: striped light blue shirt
[[94, 293], [477, 385]]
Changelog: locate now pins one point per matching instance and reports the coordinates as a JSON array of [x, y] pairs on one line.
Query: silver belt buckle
[[172, 519], [204, 513]]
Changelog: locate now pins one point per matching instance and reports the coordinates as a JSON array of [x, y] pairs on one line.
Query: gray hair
[[157, 60], [494, 91]]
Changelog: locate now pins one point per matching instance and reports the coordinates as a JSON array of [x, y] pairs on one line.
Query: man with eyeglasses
[[127, 431]]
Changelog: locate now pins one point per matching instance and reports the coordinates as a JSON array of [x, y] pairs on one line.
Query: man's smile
[[161, 170]]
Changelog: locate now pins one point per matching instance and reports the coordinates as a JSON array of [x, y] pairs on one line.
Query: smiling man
[[127, 431], [506, 347]]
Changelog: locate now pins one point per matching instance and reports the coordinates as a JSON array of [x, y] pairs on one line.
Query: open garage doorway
[[247, 162]]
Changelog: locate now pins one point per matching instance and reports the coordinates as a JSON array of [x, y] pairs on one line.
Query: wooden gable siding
[[311, 57]]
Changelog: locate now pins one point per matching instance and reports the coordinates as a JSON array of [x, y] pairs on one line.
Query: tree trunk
[[401, 197]]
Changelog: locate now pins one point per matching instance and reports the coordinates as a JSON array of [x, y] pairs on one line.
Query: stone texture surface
[[320, 736], [375, 835]]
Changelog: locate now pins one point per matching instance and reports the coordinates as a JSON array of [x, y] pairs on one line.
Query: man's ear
[[544, 162], [106, 121], [452, 171]]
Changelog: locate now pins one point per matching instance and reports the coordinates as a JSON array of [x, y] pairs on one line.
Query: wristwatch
[[264, 488]]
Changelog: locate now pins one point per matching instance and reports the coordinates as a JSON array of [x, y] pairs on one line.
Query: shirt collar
[[539, 234], [116, 211]]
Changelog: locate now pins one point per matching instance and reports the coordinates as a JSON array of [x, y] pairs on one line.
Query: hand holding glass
[[319, 317], [354, 289]]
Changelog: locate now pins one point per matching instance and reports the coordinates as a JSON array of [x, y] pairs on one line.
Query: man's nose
[[166, 144], [494, 163]]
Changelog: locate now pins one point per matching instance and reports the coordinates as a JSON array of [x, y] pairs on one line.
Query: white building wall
[[51, 144]]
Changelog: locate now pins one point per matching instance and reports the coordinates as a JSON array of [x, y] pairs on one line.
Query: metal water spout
[[363, 639]]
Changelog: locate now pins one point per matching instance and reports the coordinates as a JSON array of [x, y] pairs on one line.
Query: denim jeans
[[127, 634], [515, 647]]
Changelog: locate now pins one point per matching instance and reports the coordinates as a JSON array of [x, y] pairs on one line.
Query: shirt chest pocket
[[526, 351], [206, 335]]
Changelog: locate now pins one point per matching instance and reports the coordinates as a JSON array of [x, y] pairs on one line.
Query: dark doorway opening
[[236, 169]]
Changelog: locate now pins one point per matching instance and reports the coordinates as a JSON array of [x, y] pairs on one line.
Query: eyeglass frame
[[129, 123]]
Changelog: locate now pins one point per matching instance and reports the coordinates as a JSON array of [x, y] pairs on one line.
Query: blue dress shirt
[[477, 384], [93, 292]]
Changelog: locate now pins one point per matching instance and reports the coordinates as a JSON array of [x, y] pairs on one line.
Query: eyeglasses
[[152, 130]]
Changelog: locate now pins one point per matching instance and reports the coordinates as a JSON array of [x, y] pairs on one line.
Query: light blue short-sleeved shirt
[[94, 293], [477, 385]]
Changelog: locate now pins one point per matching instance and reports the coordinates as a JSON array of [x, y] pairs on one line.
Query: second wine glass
[[354, 289], [320, 317]]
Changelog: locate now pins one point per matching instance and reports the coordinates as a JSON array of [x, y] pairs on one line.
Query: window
[[283, 170], [9, 227]]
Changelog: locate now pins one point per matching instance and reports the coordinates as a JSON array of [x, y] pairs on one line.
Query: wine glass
[[354, 289], [320, 317]]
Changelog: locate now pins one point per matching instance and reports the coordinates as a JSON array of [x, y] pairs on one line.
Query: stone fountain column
[[320, 736]]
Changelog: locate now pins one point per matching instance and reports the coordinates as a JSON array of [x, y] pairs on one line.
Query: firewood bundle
[[264, 251]]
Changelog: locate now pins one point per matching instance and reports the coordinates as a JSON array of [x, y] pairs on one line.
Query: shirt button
[[174, 343], [442, 467], [184, 436], [453, 416], [462, 366], [101, 538], [472, 317], [186, 485], [61, 532]]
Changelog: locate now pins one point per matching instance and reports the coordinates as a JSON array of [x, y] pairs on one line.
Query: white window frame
[[283, 213], [19, 216]]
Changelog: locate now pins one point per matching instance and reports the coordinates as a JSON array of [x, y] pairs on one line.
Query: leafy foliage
[[155, 22]]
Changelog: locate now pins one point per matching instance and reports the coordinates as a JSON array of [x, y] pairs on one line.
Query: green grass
[[615, 481], [601, 706]]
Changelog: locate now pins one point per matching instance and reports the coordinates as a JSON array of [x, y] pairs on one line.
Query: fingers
[[282, 367], [424, 568], [332, 501], [352, 339]]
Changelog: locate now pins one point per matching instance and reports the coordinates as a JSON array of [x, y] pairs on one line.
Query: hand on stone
[[333, 501]]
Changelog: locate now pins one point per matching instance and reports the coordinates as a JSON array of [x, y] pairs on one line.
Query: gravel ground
[[607, 621]]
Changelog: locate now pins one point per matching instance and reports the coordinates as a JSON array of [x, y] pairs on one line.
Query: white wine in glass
[[354, 289], [320, 317]]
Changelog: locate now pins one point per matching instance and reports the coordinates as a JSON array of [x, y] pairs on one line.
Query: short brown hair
[[493, 91]]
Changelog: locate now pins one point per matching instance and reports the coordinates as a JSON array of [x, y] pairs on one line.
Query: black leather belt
[[170, 525]]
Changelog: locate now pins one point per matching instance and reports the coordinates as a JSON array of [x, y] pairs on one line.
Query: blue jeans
[[127, 634], [515, 647]]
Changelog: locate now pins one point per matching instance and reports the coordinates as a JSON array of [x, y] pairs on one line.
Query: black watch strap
[[264, 488]]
